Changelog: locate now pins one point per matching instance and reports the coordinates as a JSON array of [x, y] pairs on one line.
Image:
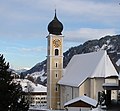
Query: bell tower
[[54, 62]]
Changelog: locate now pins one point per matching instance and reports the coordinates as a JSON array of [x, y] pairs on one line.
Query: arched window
[[56, 52], [56, 74], [56, 65], [56, 88]]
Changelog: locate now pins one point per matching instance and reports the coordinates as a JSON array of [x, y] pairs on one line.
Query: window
[[56, 88], [56, 75], [56, 52], [56, 65]]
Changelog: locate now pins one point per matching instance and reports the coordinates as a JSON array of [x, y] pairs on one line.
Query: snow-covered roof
[[84, 99], [82, 66], [111, 86], [30, 86]]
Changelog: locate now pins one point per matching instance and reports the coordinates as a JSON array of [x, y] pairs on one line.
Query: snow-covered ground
[[26, 84], [38, 108]]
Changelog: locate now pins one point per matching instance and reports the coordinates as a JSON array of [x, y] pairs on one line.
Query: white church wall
[[67, 93], [75, 92], [81, 90], [87, 87], [95, 87], [111, 80], [62, 96], [98, 86], [84, 89], [114, 94], [92, 87]]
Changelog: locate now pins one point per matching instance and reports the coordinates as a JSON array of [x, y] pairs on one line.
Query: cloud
[[26, 18], [39, 10], [22, 10], [23, 51], [33, 50], [84, 34], [90, 11]]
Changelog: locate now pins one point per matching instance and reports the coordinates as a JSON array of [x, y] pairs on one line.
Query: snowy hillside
[[39, 77], [21, 70]]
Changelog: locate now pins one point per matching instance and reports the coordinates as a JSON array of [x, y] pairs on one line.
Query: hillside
[[109, 43]]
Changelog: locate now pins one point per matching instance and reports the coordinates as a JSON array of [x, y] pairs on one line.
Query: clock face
[[56, 42]]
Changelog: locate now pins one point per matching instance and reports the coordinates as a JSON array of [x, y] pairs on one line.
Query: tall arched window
[[56, 52]]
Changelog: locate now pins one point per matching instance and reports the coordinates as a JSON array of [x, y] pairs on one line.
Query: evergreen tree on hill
[[11, 98]]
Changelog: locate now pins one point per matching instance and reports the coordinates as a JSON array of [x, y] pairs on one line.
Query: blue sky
[[23, 26]]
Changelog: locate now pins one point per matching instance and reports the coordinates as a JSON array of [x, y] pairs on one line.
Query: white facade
[[36, 99]]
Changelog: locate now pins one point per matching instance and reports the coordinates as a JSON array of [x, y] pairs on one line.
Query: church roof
[[82, 101], [90, 65]]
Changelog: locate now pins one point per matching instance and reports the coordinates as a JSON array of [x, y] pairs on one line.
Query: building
[[85, 74], [35, 94]]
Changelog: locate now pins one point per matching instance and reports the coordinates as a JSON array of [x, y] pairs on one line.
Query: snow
[[40, 74], [105, 67], [21, 70], [118, 62], [97, 109], [97, 48], [118, 53], [82, 66], [112, 51], [108, 41], [34, 87], [104, 46], [110, 46], [43, 78], [85, 99], [38, 108]]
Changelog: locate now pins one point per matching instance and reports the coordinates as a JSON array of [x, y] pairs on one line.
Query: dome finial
[[55, 14], [55, 11]]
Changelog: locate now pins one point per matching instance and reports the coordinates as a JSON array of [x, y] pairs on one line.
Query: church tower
[[54, 62]]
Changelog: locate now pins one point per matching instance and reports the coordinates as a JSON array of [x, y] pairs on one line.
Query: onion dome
[[55, 26]]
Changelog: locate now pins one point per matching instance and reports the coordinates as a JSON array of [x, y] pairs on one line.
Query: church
[[85, 74]]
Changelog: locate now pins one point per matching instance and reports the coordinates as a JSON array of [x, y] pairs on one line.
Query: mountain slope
[[109, 43]]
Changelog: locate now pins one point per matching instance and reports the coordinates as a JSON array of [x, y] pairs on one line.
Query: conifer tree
[[11, 98]]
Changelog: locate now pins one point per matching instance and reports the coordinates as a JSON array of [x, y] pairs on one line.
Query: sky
[[23, 26]]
